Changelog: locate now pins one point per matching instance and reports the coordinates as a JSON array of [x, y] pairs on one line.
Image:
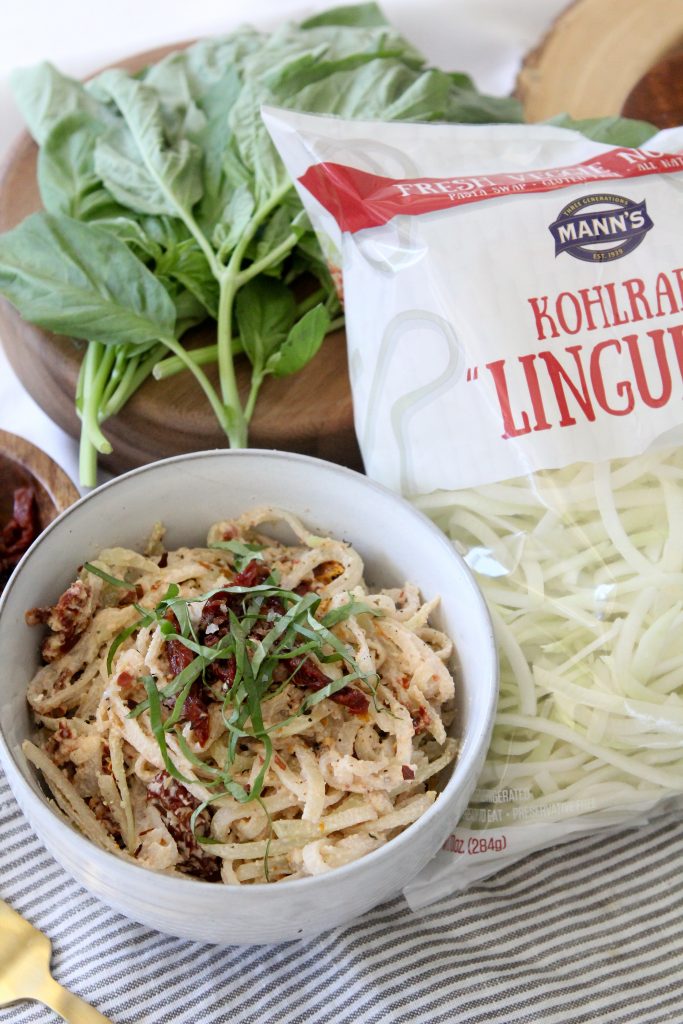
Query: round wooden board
[[310, 412], [595, 56]]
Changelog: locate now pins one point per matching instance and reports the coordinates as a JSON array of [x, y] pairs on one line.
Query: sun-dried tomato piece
[[20, 530], [214, 623], [421, 719], [179, 656], [37, 616], [68, 620], [308, 675], [272, 609], [213, 626], [217, 608], [353, 700], [215, 613], [176, 805], [223, 670], [194, 710], [254, 573]]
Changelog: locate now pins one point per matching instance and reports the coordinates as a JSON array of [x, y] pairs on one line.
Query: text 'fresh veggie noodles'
[[514, 306], [242, 712]]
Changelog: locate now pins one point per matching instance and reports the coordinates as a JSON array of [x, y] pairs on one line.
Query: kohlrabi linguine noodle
[[583, 570]]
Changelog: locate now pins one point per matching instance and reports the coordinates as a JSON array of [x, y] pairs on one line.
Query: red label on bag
[[359, 200]]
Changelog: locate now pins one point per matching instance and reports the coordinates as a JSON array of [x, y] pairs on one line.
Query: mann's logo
[[600, 228]]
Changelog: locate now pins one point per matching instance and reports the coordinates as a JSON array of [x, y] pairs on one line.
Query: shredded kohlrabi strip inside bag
[[583, 571]]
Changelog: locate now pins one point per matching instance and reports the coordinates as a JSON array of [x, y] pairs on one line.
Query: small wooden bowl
[[24, 465]]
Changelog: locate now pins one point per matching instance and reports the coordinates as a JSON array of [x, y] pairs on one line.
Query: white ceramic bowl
[[188, 493]]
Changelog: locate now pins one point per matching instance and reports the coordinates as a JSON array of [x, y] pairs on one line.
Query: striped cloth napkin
[[584, 933]]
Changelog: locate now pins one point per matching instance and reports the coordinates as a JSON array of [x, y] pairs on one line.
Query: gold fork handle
[[67, 1005]]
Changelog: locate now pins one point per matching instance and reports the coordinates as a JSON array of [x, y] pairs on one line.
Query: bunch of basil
[[166, 203]]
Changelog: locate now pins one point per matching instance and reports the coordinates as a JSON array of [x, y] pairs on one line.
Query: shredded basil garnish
[[111, 580], [243, 552], [295, 632]]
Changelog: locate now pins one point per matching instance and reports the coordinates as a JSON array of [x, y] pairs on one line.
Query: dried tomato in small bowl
[[33, 491]]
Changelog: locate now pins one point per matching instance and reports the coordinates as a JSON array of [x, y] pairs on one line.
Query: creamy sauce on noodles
[[251, 693]]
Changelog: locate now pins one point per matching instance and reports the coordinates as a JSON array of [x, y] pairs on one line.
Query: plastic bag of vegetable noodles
[[514, 307]]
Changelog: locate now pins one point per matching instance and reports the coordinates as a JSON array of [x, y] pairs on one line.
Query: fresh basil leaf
[[166, 245], [104, 291], [462, 81], [211, 72], [137, 162], [132, 232], [275, 244], [188, 309], [344, 41], [438, 96], [208, 60], [233, 167], [170, 81], [113, 581], [45, 97], [308, 250], [471, 107], [118, 162], [265, 313], [369, 72], [613, 131], [255, 148], [216, 104], [345, 611], [318, 66], [157, 726], [220, 206], [359, 15], [302, 343], [292, 59], [187, 264], [233, 219], [97, 205], [244, 553], [165, 231], [66, 164], [288, 221]]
